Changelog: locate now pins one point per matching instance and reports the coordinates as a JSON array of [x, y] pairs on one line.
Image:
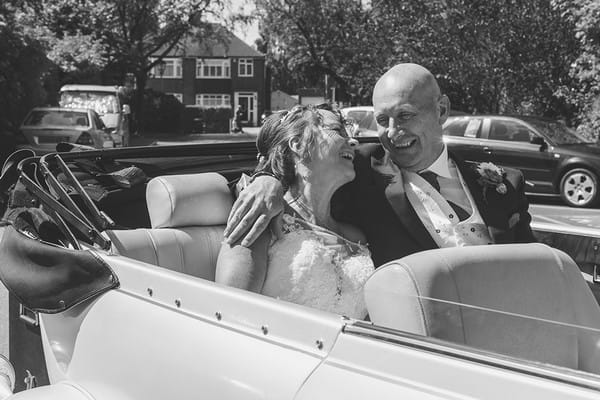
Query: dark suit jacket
[[391, 235]]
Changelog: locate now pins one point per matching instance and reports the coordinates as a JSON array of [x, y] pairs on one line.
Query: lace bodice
[[313, 266]]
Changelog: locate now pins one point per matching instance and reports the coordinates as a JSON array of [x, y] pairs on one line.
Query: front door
[[248, 102]]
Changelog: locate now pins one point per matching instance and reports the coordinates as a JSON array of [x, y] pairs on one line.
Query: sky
[[248, 33]]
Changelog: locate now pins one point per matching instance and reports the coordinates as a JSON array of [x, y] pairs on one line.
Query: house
[[220, 73]]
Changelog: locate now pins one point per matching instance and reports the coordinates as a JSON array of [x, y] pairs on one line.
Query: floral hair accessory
[[490, 175]]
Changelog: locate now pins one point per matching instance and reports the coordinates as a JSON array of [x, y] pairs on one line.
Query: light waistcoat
[[439, 218]]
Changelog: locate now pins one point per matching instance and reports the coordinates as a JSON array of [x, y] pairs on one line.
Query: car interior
[[188, 214], [519, 291], [524, 300]]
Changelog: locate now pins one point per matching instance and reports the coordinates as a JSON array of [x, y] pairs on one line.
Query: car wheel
[[579, 188]]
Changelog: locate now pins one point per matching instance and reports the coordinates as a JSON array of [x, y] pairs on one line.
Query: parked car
[[45, 127], [121, 291], [362, 119], [555, 160]]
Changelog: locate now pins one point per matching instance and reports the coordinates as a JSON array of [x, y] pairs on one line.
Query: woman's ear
[[295, 145]]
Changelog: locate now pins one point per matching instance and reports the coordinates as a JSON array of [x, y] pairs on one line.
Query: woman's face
[[332, 151]]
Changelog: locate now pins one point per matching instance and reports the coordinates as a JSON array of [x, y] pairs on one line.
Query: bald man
[[410, 194]]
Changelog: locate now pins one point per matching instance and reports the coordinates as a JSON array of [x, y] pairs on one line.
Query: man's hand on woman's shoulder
[[257, 204]]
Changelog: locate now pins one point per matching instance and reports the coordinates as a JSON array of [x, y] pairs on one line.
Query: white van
[[107, 101]]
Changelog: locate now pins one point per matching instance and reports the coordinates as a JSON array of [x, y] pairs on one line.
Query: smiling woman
[[308, 257]]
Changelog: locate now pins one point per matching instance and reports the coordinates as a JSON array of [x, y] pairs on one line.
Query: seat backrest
[[478, 296], [188, 215]]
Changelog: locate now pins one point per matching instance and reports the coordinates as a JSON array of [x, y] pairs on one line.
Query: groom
[[410, 193]]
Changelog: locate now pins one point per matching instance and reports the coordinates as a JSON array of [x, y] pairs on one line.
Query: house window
[[213, 100], [213, 68], [178, 96], [172, 68], [246, 67]]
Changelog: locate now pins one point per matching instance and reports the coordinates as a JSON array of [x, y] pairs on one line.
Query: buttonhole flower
[[491, 176]]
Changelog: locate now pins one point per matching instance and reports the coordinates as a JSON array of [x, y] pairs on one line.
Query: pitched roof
[[226, 44]]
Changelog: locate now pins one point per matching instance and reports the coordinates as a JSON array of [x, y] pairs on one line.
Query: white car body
[[163, 334], [225, 343]]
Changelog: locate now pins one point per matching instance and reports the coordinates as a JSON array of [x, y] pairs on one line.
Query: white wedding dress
[[313, 266]]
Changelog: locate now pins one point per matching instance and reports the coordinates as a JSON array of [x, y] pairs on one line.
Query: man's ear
[[444, 107]]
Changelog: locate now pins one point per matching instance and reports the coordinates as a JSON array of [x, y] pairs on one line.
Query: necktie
[[431, 178]]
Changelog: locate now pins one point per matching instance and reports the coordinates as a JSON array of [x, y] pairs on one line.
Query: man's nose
[[352, 142], [395, 130]]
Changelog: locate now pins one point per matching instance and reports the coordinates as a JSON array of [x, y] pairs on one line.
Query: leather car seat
[[188, 215], [500, 298]]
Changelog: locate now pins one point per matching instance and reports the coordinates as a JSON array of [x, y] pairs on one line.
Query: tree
[[308, 39], [20, 69], [584, 93], [115, 37], [488, 55]]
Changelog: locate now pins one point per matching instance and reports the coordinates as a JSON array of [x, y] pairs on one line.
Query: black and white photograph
[[299, 199]]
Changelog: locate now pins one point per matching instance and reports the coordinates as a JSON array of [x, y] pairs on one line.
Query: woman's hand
[[257, 204]]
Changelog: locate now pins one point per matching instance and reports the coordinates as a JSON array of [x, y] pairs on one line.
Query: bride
[[306, 256]]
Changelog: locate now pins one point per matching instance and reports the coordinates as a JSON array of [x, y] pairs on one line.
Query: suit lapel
[[390, 182]]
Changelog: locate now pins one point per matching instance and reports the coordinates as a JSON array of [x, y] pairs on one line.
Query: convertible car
[[109, 256]]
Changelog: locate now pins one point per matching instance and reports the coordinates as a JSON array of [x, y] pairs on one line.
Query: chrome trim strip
[[565, 229], [432, 345], [534, 194]]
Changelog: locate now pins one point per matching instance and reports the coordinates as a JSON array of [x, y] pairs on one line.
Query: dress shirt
[[448, 177]]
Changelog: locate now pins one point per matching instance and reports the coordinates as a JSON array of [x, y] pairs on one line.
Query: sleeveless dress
[[313, 266]]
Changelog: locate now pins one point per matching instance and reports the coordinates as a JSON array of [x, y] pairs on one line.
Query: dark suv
[[555, 160]]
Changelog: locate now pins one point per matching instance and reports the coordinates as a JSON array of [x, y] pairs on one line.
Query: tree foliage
[[489, 55], [308, 39], [20, 69], [584, 93]]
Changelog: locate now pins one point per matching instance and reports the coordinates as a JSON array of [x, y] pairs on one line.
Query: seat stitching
[[180, 248], [419, 299], [208, 244], [171, 202], [148, 233], [460, 309], [566, 282]]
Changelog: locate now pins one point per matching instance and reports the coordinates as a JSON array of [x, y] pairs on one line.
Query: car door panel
[[511, 147], [185, 338], [367, 362], [463, 138]]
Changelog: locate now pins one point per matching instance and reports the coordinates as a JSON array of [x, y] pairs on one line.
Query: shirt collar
[[440, 165]]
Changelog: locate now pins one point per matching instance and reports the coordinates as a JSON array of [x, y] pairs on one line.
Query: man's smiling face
[[410, 111]]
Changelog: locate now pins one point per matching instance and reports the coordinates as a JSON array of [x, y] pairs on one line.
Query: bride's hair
[[274, 152]]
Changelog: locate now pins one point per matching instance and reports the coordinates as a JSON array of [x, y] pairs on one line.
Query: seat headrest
[[188, 200]]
